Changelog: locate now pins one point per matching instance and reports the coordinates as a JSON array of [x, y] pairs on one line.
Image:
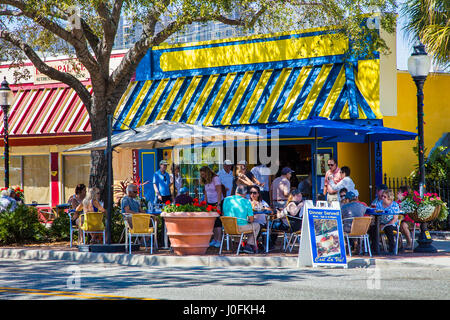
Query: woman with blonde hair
[[91, 203], [213, 197]]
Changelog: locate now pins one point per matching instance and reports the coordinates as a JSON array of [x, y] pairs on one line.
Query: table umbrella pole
[[314, 166], [108, 183], [370, 168]]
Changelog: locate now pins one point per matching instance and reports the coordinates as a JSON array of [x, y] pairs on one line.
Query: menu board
[[322, 241]]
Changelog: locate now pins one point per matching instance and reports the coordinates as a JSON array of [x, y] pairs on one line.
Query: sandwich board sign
[[322, 241]]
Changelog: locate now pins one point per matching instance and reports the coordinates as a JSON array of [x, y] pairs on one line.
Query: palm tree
[[429, 21]]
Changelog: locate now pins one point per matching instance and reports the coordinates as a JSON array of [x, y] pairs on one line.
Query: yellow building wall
[[399, 158], [356, 157]]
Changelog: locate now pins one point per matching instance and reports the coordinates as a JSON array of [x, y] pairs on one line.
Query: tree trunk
[[99, 125]]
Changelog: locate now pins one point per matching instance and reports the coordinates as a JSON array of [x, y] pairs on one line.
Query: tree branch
[[66, 78]]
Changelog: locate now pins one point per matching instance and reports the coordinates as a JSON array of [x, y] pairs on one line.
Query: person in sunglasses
[[334, 174], [162, 181]]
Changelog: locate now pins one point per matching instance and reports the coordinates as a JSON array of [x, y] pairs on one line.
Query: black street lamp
[[419, 64], [5, 102]]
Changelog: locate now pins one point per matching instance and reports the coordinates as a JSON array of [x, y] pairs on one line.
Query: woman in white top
[[346, 181]]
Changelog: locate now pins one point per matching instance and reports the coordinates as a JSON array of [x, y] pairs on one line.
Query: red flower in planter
[[177, 204], [209, 208], [167, 202], [203, 203]]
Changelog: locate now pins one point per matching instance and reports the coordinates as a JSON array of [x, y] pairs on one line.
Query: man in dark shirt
[[351, 209], [184, 197]]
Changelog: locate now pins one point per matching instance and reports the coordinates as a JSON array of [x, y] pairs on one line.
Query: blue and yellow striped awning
[[306, 88]]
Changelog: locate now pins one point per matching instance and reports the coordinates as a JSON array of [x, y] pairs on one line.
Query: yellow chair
[[92, 224], [230, 227], [140, 227], [360, 226]]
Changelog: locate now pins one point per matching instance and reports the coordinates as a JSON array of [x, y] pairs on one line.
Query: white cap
[[228, 162], [242, 162]]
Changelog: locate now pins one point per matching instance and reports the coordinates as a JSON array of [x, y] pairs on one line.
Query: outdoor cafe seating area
[[142, 231]]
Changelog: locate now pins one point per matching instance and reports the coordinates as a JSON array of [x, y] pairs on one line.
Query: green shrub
[[60, 230], [21, 226]]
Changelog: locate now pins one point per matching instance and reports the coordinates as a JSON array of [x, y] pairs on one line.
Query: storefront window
[[36, 178], [76, 171], [15, 172]]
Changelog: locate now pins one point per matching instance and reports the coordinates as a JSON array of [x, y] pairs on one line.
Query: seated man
[[184, 197], [240, 207], [351, 209], [129, 203]]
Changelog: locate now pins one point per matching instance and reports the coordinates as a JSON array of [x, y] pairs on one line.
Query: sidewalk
[[62, 251]]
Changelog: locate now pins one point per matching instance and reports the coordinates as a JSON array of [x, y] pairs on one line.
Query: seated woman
[[293, 208], [403, 191], [91, 203], [75, 200], [259, 205], [388, 222]]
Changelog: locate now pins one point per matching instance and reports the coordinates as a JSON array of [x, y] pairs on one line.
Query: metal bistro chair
[[92, 224], [293, 235], [397, 234], [140, 227], [72, 226], [230, 227], [285, 234], [360, 226]]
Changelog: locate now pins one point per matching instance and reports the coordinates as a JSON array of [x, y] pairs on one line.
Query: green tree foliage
[[86, 30], [429, 21]]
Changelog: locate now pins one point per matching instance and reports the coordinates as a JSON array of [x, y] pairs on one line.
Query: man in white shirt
[[346, 182], [262, 174], [226, 176]]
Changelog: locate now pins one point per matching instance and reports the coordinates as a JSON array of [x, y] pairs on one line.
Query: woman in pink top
[[213, 196]]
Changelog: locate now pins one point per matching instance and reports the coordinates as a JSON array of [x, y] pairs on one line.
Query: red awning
[[47, 110]]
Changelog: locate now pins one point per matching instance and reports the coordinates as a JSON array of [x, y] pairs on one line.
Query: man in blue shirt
[[240, 207], [161, 183]]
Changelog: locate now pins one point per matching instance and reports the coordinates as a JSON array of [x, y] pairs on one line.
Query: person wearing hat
[[161, 183], [183, 197], [351, 209], [281, 188], [226, 177]]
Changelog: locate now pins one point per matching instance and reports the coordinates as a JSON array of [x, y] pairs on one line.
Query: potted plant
[[424, 209], [189, 226]]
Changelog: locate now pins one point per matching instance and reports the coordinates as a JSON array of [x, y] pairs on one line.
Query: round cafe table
[[377, 215]]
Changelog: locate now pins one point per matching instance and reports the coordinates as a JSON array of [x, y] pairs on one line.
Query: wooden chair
[[92, 224], [142, 225], [230, 227], [360, 226]]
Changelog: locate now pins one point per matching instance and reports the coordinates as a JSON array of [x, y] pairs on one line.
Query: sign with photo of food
[[326, 234], [322, 240]]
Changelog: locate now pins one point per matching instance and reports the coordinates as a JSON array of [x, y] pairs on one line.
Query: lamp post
[[5, 102], [419, 64]]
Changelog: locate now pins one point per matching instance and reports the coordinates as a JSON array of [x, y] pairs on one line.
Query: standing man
[[240, 207], [226, 177], [162, 181], [281, 188], [262, 173], [333, 173]]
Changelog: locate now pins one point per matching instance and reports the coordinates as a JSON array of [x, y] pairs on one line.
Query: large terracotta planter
[[189, 232]]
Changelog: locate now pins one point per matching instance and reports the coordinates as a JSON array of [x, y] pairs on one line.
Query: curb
[[207, 261]]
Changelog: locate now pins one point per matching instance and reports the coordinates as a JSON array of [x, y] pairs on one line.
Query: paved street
[[28, 280]]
